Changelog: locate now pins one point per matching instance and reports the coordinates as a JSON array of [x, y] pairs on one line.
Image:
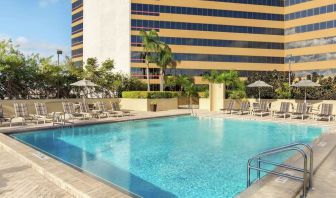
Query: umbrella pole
[[305, 99], [259, 95]]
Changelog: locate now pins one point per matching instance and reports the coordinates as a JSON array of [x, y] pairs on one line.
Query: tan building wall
[[100, 34]]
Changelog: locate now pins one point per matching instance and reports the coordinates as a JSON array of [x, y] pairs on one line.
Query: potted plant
[[153, 106]]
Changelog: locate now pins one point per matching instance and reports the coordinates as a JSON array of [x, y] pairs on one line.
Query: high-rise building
[[244, 35], [77, 32]]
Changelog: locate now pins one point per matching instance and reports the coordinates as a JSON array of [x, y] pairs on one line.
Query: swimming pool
[[169, 157]]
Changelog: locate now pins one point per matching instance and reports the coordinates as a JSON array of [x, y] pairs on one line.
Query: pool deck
[[17, 179], [25, 172]]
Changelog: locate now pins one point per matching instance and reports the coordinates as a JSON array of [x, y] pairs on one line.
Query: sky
[[37, 26]]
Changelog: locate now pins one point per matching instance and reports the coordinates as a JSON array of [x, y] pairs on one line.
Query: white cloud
[[29, 47], [45, 3], [4, 37]]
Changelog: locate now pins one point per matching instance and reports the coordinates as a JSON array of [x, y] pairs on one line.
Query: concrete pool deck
[[17, 179], [69, 182]]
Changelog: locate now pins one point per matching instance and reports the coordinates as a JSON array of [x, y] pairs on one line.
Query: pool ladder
[[304, 150]]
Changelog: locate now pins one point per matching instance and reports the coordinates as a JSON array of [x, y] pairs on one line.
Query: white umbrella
[[259, 84], [305, 84], [84, 83]]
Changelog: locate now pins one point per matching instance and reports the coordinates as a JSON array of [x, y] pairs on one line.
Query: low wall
[[55, 105], [144, 104], [204, 104], [164, 104]]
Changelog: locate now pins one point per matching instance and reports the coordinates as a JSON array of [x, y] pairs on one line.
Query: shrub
[[149, 95], [204, 94], [237, 94]]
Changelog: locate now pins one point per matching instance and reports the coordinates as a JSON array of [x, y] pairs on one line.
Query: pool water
[[169, 157]]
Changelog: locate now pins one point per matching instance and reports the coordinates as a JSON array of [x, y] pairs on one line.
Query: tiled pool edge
[[74, 182], [269, 187], [156, 115]]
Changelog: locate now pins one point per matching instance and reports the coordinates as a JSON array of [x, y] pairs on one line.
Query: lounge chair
[[283, 111], [21, 114], [85, 111], [104, 111], [116, 108], [244, 108], [301, 111], [3, 118], [42, 113], [260, 109], [69, 113], [325, 112], [229, 107]]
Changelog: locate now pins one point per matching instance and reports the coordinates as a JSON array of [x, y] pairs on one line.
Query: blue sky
[[38, 26]]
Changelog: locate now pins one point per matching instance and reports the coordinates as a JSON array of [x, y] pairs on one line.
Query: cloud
[[4, 37], [43, 48], [45, 3], [29, 47]]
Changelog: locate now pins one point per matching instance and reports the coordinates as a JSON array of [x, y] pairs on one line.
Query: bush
[[237, 94], [204, 94], [149, 95]]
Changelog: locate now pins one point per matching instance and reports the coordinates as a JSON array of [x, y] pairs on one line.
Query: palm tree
[[183, 81], [212, 77], [228, 78], [165, 59], [151, 46]]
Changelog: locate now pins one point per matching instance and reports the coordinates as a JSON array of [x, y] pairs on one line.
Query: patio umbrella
[[259, 84], [305, 84], [84, 83]]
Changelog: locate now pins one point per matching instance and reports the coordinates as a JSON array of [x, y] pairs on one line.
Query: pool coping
[[37, 127], [270, 186]]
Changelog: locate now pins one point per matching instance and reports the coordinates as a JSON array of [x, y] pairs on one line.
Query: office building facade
[[244, 35]]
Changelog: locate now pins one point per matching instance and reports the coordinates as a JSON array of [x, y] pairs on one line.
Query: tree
[[151, 47], [283, 92], [183, 81], [16, 71], [164, 59], [230, 80], [212, 77], [111, 84]]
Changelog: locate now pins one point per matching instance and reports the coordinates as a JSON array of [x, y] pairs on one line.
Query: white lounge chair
[[326, 112], [116, 108], [21, 114], [42, 113], [70, 115], [244, 108], [301, 111], [104, 111], [3, 118], [260, 108], [229, 107], [283, 111]]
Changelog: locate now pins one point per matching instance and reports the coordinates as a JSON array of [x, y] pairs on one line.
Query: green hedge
[[149, 95]]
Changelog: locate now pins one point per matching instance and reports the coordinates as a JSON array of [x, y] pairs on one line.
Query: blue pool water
[[169, 157]]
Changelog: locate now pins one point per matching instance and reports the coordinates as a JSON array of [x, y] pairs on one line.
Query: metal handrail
[[290, 147]]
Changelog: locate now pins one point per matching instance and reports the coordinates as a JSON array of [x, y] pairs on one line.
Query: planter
[[153, 107]]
